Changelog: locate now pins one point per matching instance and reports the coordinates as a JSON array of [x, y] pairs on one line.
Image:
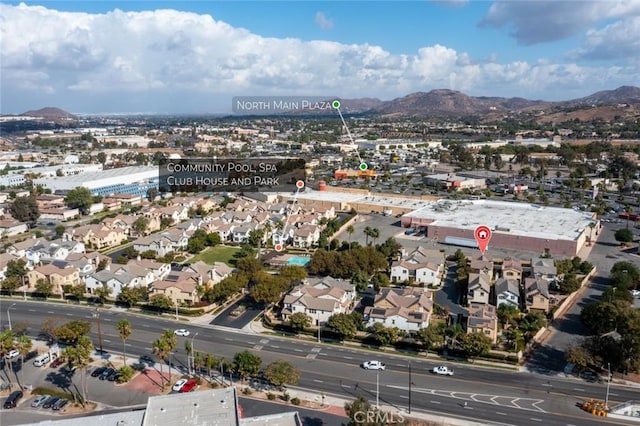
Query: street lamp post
[[24, 289], [96, 315], [606, 399], [318, 326], [170, 365], [9, 316], [410, 383], [377, 389], [193, 355]]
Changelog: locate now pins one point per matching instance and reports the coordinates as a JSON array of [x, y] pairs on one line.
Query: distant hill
[[51, 113], [622, 95]]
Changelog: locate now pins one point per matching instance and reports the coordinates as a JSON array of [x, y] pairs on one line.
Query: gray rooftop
[[200, 408]]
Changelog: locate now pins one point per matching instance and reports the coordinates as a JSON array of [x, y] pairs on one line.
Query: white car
[[12, 354], [181, 332], [373, 365], [442, 370], [178, 385], [635, 293]]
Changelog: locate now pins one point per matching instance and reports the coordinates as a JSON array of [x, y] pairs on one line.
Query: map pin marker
[[482, 235]]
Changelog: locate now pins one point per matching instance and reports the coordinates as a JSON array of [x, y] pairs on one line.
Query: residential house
[[544, 268], [240, 233], [127, 199], [52, 273], [483, 319], [111, 204], [52, 250], [507, 292], [172, 240], [407, 308], [482, 264], [45, 201], [306, 236], [19, 249], [175, 213], [180, 288], [319, 299], [98, 236], [125, 223], [209, 275], [115, 281], [479, 287], [536, 290], [92, 257], [421, 265], [58, 214], [11, 227], [512, 269]]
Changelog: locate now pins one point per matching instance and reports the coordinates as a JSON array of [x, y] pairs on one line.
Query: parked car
[[442, 370], [179, 384], [113, 377], [181, 332], [13, 353], [49, 402], [190, 386], [57, 363], [374, 365], [13, 399], [40, 400], [60, 404], [98, 371], [106, 373]]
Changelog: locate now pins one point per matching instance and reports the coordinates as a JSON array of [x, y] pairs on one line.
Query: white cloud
[[619, 40], [323, 21], [531, 22], [170, 61]]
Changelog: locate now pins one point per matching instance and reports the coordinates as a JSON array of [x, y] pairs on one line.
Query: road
[[521, 398], [569, 330]]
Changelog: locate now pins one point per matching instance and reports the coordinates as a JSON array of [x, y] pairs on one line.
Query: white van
[[42, 360]]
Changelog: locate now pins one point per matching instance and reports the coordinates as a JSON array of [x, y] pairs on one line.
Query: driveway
[[248, 309]]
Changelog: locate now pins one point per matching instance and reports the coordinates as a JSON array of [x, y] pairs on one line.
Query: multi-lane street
[[491, 394]]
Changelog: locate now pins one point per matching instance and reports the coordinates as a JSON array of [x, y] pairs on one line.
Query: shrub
[[271, 396], [286, 396], [41, 390], [125, 374], [247, 391], [295, 401]]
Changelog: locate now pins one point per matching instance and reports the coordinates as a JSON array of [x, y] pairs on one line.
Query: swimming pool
[[298, 261]]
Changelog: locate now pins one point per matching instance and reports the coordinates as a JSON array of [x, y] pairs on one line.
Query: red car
[[190, 386], [57, 363]]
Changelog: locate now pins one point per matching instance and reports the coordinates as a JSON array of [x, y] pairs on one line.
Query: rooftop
[[507, 217]]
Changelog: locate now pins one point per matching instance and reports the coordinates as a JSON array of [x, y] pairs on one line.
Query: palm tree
[[350, 231], [592, 225], [375, 234], [6, 343], [79, 356], [124, 329], [367, 233], [23, 345], [160, 348]]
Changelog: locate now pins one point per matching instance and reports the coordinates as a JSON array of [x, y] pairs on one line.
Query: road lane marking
[[535, 419], [69, 315], [298, 350], [613, 394], [501, 413], [50, 312], [579, 389], [148, 349], [346, 386], [106, 340], [547, 384], [347, 357], [146, 325], [318, 381], [31, 310], [275, 347], [404, 396], [228, 339], [435, 402], [106, 319]]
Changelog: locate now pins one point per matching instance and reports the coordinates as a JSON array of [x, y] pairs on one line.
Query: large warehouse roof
[[508, 217], [93, 180]]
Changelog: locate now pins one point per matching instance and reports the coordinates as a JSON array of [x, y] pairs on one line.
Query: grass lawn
[[216, 254]]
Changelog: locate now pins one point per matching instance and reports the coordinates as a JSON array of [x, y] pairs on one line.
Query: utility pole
[[318, 326], [96, 315], [24, 289], [176, 311], [193, 355]]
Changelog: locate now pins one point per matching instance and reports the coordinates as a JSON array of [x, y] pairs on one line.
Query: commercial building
[[518, 226], [450, 180], [126, 180]]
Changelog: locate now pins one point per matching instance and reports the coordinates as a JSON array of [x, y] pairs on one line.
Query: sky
[[100, 56]]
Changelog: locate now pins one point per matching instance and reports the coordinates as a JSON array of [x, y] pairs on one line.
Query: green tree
[[160, 301], [44, 288], [101, 157], [16, 268], [282, 373], [25, 209], [140, 225], [579, 356], [475, 344], [360, 406], [247, 364], [293, 273], [299, 321], [432, 336], [79, 198], [627, 268], [59, 230], [624, 235], [71, 331], [79, 355], [508, 315], [162, 348], [350, 230], [385, 335], [343, 325], [131, 296], [124, 330]]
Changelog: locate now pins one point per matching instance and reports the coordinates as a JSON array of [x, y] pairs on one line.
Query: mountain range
[[451, 104]]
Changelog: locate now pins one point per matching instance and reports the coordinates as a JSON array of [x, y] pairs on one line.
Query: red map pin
[[483, 235]]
